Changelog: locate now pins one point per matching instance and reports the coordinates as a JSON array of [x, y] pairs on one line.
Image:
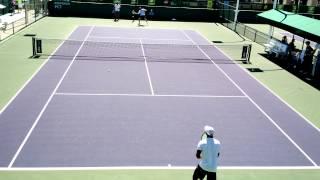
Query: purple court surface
[[140, 97]]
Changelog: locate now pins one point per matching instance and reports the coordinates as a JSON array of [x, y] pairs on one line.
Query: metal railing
[[21, 18], [248, 32]]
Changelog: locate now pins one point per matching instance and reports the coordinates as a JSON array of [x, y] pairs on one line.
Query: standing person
[[142, 14], [13, 7], [208, 151], [307, 59], [151, 14], [116, 9], [291, 54]]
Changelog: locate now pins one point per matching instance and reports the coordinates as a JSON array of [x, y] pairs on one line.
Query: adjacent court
[[140, 97]]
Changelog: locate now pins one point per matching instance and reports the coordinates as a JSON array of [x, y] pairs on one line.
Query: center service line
[[147, 68]]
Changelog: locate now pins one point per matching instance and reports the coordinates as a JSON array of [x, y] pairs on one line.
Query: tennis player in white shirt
[[116, 9], [208, 151]]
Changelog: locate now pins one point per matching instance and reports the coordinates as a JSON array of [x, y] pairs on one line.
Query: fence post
[[26, 12], [255, 36], [236, 15], [249, 54], [12, 27]]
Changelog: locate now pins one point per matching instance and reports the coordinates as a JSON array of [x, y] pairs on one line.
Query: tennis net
[[139, 50]]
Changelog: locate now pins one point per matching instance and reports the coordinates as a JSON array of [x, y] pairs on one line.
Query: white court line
[[32, 76], [254, 103], [147, 68], [116, 37], [47, 103], [147, 95], [158, 168], [280, 98]]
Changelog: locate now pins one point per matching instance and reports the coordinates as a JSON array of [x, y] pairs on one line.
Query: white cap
[[209, 130]]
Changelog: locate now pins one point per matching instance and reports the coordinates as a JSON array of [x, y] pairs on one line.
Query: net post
[[34, 52], [246, 52], [34, 45], [39, 45], [249, 54]]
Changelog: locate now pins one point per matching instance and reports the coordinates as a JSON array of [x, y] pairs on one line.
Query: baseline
[[267, 168]]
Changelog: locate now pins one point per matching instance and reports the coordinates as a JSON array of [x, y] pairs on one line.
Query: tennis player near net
[[208, 151]]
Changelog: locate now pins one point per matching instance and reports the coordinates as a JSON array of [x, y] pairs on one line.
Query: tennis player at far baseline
[[208, 151], [142, 14]]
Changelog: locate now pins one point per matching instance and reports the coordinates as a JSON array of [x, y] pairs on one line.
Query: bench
[[280, 50]]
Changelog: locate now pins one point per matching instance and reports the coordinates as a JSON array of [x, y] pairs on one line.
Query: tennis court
[[140, 97]]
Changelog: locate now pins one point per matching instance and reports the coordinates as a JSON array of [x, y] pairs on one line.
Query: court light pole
[[271, 29], [26, 12], [236, 15]]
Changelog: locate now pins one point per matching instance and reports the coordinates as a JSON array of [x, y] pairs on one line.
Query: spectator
[[151, 14], [317, 69], [291, 54], [307, 59], [13, 7]]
